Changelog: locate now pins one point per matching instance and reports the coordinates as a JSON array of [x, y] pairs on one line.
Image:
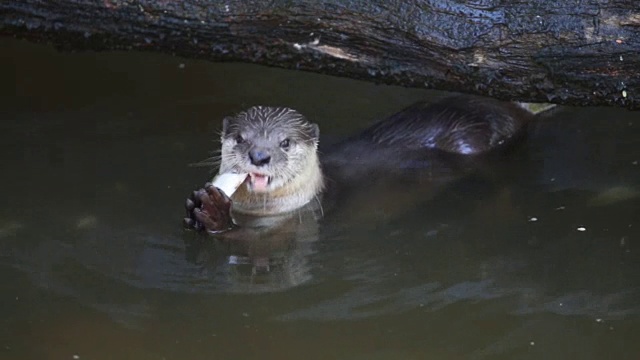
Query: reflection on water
[[534, 257]]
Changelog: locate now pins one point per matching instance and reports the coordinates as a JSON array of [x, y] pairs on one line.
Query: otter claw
[[195, 198], [190, 205], [209, 209], [203, 218], [217, 194]]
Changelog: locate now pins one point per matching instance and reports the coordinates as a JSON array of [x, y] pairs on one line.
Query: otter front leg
[[208, 209]]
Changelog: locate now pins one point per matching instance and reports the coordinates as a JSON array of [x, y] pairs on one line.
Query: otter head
[[274, 145]]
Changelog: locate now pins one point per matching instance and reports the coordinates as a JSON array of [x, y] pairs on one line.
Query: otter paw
[[208, 209]]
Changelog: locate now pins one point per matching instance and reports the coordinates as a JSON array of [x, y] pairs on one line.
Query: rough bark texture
[[581, 52]]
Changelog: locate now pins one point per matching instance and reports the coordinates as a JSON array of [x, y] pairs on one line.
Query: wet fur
[[464, 125], [295, 172], [422, 135]]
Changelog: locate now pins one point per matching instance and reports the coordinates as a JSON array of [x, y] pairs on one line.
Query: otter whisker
[[291, 180], [203, 163], [319, 204]]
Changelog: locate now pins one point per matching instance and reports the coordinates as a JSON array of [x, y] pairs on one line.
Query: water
[[537, 258]]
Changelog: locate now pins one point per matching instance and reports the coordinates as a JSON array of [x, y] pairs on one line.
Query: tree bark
[[580, 52]]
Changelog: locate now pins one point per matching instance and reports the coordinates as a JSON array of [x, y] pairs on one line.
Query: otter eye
[[284, 144], [239, 139]]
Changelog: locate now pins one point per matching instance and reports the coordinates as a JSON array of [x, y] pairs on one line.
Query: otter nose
[[259, 157]]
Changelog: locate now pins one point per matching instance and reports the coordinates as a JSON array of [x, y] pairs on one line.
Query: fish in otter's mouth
[[230, 182]]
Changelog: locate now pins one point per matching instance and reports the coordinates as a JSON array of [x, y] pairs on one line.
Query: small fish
[[229, 182]]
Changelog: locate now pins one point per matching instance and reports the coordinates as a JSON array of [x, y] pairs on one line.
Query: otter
[[278, 148]]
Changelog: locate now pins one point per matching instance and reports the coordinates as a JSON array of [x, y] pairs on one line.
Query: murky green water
[[539, 261]]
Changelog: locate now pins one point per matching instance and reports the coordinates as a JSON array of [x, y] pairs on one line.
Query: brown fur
[[461, 125], [294, 171]]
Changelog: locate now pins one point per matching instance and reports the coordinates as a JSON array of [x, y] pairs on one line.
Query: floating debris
[[536, 108], [86, 222], [9, 228], [614, 195], [623, 241], [581, 228]]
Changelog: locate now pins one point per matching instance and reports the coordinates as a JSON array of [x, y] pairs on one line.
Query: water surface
[[536, 258]]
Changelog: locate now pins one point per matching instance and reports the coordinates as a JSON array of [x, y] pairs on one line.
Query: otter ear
[[225, 123], [315, 131]]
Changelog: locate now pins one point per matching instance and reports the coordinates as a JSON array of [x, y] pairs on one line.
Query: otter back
[[462, 125]]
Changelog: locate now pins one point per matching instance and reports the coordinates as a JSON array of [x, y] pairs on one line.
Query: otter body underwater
[[277, 150]]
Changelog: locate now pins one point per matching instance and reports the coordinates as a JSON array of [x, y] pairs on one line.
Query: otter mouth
[[259, 182]]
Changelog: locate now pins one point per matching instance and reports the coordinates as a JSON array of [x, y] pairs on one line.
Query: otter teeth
[[259, 182]]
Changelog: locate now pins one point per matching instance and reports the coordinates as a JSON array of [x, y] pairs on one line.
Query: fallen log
[[584, 52]]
